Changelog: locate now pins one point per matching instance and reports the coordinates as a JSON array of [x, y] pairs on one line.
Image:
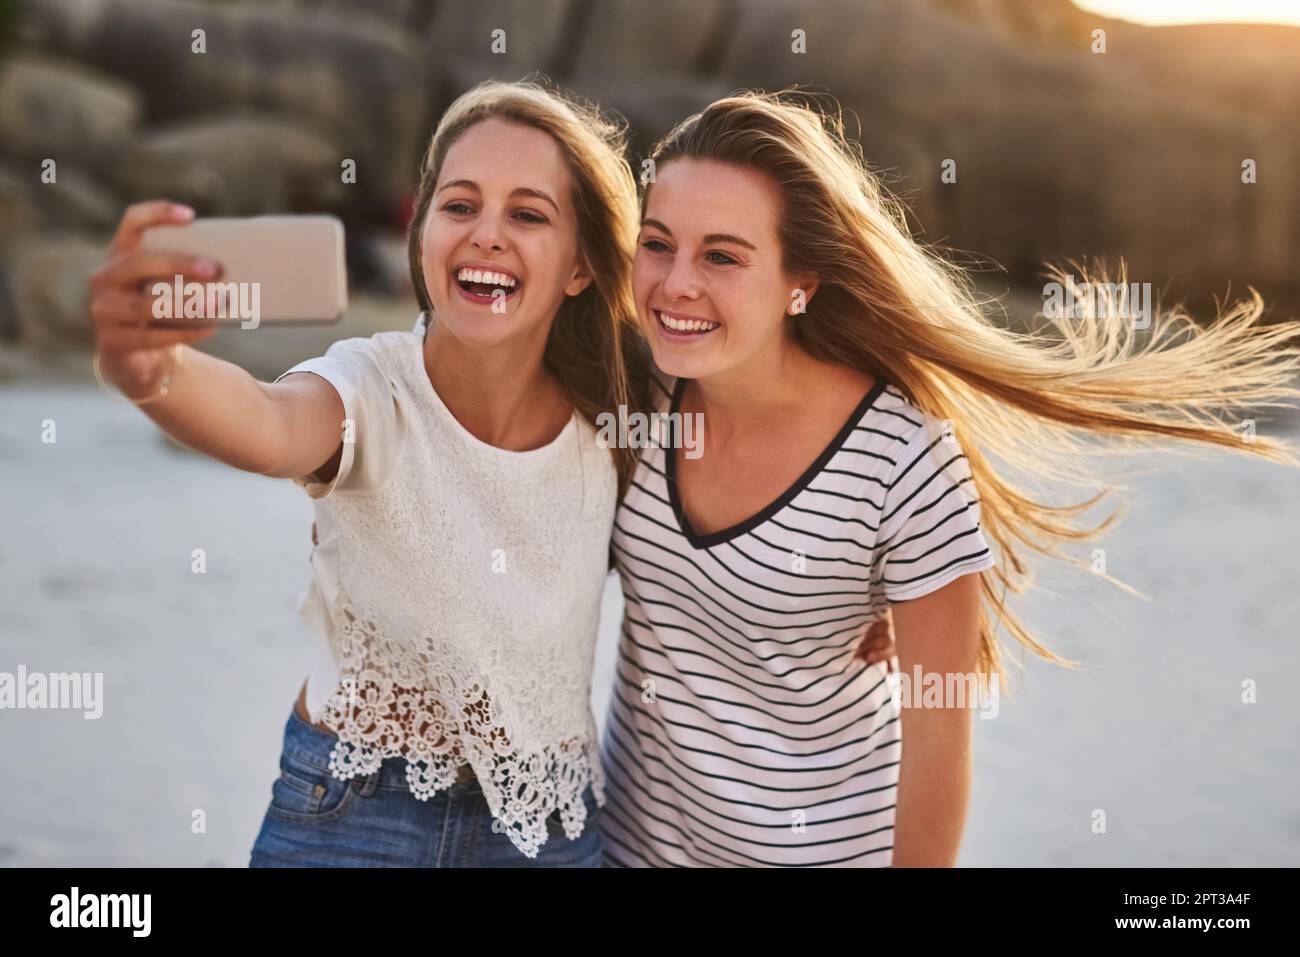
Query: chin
[[469, 327], [480, 333], [681, 363]]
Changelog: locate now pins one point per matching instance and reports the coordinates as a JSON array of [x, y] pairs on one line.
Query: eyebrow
[[519, 191], [711, 238]]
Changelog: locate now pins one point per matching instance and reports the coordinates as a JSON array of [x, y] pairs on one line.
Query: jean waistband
[[312, 746]]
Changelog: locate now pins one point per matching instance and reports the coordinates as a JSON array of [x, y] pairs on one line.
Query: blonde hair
[[592, 348], [1022, 404]]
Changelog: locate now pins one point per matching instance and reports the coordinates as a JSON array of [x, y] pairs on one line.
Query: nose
[[488, 234], [682, 281]]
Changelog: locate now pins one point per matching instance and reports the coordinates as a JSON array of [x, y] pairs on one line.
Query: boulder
[[360, 81], [20, 213], [538, 37], [669, 36], [406, 14], [54, 108], [236, 165], [46, 285], [76, 200]]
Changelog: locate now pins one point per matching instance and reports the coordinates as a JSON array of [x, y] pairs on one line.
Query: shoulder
[[900, 420], [884, 424], [929, 464], [381, 348], [371, 374], [914, 442], [368, 363]]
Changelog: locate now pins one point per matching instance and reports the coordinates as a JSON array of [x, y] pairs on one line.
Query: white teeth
[[686, 325], [486, 276]]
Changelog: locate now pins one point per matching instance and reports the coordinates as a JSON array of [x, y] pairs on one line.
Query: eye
[[655, 245], [528, 216], [723, 260], [457, 207]]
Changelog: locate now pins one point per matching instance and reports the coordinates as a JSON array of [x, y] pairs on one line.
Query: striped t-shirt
[[742, 731]]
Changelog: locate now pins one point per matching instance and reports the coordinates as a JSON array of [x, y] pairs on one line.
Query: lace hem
[[440, 729]]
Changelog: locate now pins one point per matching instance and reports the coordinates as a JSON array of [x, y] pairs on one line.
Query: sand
[[96, 543]]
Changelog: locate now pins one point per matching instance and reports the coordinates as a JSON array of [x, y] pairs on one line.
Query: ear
[[580, 279], [806, 282]]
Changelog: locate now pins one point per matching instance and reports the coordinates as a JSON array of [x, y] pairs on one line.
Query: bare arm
[[939, 632], [286, 429]]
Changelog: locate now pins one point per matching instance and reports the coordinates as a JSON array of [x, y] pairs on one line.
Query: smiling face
[[711, 292], [499, 245]]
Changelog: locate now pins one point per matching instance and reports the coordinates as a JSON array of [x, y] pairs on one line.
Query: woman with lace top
[[463, 502]]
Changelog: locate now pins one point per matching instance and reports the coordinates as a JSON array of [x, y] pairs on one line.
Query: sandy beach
[[96, 543]]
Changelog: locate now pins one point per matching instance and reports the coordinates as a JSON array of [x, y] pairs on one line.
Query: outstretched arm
[[287, 429]]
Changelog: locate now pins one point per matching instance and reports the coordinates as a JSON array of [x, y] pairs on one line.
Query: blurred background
[[1062, 151]]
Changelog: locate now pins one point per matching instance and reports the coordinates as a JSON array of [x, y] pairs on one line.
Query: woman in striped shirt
[[850, 387]]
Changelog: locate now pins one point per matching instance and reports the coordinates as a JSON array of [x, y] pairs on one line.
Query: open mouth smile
[[679, 327], [485, 286]]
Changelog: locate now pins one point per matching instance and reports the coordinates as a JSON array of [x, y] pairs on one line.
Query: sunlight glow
[[1197, 11]]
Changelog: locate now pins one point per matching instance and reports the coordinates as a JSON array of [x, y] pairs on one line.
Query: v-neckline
[[725, 535]]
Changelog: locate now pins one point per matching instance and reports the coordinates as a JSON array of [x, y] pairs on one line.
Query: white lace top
[[456, 587]]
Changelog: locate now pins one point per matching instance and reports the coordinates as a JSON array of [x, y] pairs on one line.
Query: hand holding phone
[[274, 269]]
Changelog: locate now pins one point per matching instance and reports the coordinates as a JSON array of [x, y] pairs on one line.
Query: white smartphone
[[287, 269]]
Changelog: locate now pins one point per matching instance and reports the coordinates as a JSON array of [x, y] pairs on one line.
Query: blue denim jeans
[[317, 820]]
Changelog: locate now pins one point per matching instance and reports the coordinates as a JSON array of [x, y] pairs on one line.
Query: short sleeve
[[370, 429], [929, 532]]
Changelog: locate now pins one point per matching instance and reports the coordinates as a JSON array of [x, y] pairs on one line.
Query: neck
[[741, 400], [501, 394]]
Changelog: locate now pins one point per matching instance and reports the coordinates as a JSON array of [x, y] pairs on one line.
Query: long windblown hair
[[1032, 410], [592, 350]]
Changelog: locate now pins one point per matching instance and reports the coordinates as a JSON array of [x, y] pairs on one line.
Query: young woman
[[854, 396], [462, 501]]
